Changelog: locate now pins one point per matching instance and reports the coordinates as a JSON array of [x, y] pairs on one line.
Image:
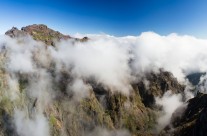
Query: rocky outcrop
[[41, 33], [15, 32], [157, 85]]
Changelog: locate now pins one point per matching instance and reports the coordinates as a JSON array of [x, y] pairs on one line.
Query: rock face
[[41, 33], [157, 85], [15, 32], [136, 113]]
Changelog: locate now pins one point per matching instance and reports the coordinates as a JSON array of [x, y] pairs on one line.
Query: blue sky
[[115, 17]]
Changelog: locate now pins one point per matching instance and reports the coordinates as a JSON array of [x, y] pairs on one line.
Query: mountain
[[40, 33], [135, 114]]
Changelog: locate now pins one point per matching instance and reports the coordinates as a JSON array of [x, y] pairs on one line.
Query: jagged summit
[[42, 33]]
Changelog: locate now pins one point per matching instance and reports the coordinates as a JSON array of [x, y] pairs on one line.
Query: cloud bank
[[112, 62]]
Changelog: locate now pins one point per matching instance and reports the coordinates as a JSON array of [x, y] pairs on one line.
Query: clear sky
[[115, 17]]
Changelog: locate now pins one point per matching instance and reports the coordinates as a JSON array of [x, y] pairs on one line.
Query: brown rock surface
[[41, 33]]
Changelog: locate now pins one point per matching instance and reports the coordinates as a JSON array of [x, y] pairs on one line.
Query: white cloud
[[102, 59], [169, 102], [105, 132], [36, 126], [113, 62], [180, 55], [80, 89]]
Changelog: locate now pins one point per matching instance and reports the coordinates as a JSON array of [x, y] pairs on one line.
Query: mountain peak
[[40, 32]]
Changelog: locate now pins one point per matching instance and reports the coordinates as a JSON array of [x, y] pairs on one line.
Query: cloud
[[180, 55], [111, 62], [36, 126], [169, 102], [103, 60], [202, 86], [80, 89], [98, 131]]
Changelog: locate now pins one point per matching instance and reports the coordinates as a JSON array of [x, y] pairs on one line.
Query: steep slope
[[117, 111]]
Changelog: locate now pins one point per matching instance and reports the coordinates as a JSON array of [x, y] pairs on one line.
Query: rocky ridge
[[41, 33]]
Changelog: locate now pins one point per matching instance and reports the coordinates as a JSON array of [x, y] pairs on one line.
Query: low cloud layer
[[179, 54], [112, 62]]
